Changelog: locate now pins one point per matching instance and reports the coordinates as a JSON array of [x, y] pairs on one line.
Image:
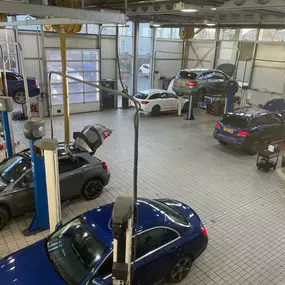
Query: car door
[[275, 127], [13, 83], [165, 102], [208, 82], [220, 83], [70, 176], [23, 193], [156, 253], [173, 101]]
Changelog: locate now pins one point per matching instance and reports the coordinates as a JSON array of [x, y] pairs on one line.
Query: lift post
[[122, 233], [49, 148]]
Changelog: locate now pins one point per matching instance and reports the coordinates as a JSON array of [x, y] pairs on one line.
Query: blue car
[[16, 90], [248, 127], [171, 236]]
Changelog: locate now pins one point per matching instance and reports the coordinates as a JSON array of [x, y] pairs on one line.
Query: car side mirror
[[99, 281]]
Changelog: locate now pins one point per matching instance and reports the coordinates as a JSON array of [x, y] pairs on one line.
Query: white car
[[144, 69], [156, 101]]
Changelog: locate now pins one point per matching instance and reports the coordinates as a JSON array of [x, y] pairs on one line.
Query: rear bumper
[[230, 139], [201, 244], [106, 177], [186, 91], [34, 92]]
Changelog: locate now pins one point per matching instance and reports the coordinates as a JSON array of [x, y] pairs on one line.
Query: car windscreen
[[187, 75], [13, 168], [73, 251], [141, 96], [170, 212], [235, 121]]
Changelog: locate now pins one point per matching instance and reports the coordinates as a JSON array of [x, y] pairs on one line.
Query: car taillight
[[35, 83], [144, 102], [218, 126], [104, 165], [106, 134], [192, 83], [203, 231], [243, 133], [175, 82]]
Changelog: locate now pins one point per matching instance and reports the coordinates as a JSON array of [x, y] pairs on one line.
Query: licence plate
[[182, 84], [228, 130]]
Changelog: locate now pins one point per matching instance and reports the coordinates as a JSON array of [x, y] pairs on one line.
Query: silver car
[[205, 82], [80, 173]]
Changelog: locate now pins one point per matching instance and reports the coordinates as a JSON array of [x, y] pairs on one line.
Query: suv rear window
[[187, 75], [140, 96], [235, 121]]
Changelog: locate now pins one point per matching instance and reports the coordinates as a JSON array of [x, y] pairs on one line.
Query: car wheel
[[201, 94], [155, 110], [254, 149], [92, 189], [4, 217], [223, 143], [181, 269], [19, 97], [185, 107]]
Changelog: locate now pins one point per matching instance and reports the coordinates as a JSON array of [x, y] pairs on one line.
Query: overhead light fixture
[[210, 24], [188, 8], [213, 9], [156, 25]]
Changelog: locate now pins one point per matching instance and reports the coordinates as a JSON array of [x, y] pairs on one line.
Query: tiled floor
[[242, 208]]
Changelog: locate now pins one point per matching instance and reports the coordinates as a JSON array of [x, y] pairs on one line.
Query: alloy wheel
[[181, 269], [20, 98], [94, 189]]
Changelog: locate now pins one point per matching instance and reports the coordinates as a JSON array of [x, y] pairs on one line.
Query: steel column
[[135, 65]]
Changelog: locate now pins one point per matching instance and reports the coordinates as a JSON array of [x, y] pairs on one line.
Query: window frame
[[142, 257]]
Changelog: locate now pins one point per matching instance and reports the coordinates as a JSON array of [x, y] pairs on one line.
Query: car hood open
[[91, 137], [29, 266], [227, 68]]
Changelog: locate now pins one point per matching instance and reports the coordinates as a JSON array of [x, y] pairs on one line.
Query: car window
[[106, 268], [261, 120], [171, 95], [67, 164], [271, 119], [219, 76], [11, 77], [276, 119], [26, 181], [187, 75], [146, 66], [14, 168], [73, 250], [153, 239], [207, 75], [141, 96], [155, 96], [235, 121]]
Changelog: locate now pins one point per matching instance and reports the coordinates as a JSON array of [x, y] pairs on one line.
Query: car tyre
[[185, 107], [180, 270], [4, 217], [93, 189], [254, 148], [19, 97], [155, 110], [223, 143]]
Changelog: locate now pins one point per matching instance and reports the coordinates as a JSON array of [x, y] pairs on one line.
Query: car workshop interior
[[142, 142]]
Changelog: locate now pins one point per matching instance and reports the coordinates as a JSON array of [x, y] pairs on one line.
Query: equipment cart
[[268, 157]]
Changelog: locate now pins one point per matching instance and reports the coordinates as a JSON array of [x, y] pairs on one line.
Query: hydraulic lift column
[[34, 129], [122, 232]]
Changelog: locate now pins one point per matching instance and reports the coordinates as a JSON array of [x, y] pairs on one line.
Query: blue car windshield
[[13, 168], [73, 251]]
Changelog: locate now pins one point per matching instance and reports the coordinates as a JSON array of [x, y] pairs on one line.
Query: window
[[163, 33], [106, 268], [67, 164], [155, 96], [271, 35], [219, 76], [248, 34], [73, 251], [13, 168], [275, 119], [11, 77], [82, 64], [234, 121], [171, 95], [187, 75], [26, 181], [153, 239], [140, 95], [229, 34], [207, 75]]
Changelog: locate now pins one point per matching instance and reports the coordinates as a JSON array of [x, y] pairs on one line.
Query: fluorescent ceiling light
[[156, 25], [213, 9], [189, 10], [210, 24]]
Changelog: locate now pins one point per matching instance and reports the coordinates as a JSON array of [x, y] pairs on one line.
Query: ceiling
[[222, 13]]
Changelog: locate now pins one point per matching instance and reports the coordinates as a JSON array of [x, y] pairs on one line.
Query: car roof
[[99, 219], [197, 70], [249, 112], [152, 91]]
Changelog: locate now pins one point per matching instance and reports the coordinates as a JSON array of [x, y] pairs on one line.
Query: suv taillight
[[35, 83], [192, 83], [243, 133], [104, 165], [203, 231], [218, 126]]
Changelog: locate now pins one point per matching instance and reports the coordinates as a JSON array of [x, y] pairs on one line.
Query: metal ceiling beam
[[61, 12]]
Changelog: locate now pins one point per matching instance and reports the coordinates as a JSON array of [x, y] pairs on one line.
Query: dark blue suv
[[247, 127], [16, 90]]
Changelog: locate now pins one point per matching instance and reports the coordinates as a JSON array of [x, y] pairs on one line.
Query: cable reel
[[66, 28]]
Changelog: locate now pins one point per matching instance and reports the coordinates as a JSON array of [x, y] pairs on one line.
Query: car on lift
[[206, 82], [156, 101], [171, 236], [16, 89], [80, 173], [276, 105], [248, 127]]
